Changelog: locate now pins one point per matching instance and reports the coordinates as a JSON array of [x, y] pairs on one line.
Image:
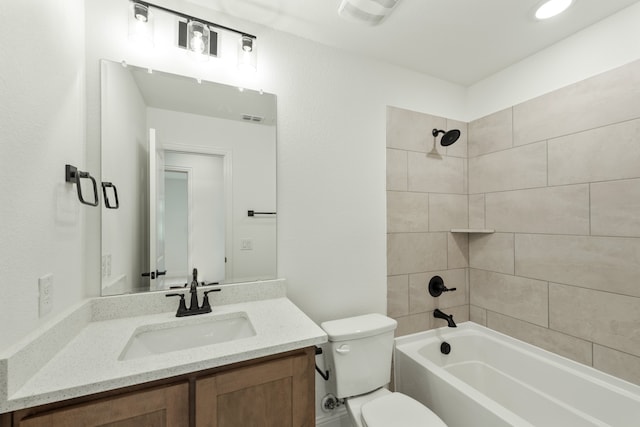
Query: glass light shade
[[141, 25], [552, 8], [247, 54], [198, 40]]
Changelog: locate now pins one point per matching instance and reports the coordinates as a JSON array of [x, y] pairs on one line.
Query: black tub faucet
[[448, 317]]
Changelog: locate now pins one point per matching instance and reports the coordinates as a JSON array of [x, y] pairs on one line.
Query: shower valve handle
[[437, 287]]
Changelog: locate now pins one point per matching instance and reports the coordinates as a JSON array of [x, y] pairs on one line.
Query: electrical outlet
[[106, 265], [246, 244], [45, 289]]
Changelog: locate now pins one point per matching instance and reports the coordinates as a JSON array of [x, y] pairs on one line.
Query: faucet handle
[[182, 306], [205, 300], [437, 287]]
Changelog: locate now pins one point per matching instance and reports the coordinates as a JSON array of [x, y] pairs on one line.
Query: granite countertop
[[88, 361]]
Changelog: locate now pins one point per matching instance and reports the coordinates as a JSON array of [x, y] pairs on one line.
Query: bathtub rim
[[411, 341]]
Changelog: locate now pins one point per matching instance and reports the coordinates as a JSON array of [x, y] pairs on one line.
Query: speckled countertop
[[56, 364]]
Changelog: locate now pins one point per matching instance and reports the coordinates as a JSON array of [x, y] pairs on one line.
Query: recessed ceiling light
[[552, 8]]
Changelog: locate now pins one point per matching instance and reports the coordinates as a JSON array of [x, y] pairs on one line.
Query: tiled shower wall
[[426, 197], [558, 178]]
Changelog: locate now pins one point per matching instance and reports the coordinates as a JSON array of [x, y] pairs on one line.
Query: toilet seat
[[397, 409]]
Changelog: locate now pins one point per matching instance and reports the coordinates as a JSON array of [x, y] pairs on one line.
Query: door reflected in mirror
[[189, 159]]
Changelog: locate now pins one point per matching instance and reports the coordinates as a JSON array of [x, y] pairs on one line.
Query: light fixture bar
[[191, 18]]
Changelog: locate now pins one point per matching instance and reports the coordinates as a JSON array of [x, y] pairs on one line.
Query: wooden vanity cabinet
[[277, 391], [166, 406]]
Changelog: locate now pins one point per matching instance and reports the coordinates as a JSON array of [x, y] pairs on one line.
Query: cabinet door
[[276, 393], [167, 406]]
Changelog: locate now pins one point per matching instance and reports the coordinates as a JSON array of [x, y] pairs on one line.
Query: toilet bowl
[[383, 408], [360, 355]]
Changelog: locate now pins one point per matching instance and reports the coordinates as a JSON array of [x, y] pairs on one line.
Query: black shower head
[[448, 138]]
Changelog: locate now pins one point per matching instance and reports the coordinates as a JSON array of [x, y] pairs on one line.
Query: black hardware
[[445, 348], [194, 308], [182, 306], [191, 18], [154, 274], [205, 300], [107, 202], [437, 287], [324, 375], [448, 317], [73, 175], [254, 213]]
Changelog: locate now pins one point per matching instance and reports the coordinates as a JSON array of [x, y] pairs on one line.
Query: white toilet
[[360, 351]]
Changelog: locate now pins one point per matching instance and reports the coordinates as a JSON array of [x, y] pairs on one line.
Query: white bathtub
[[489, 380]]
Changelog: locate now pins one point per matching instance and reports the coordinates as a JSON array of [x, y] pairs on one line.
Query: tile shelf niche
[[473, 230]]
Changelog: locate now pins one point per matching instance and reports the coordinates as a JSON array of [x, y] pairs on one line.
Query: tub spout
[[448, 317]]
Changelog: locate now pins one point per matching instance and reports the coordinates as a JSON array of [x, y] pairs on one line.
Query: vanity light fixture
[[141, 25], [198, 35], [247, 57], [370, 12], [198, 42], [551, 8]]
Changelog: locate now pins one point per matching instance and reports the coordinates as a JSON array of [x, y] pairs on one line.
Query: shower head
[[448, 138]]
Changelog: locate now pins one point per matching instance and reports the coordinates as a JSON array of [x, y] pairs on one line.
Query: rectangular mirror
[[189, 181]]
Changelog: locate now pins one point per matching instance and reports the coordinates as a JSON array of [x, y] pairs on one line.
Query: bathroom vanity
[[95, 378]]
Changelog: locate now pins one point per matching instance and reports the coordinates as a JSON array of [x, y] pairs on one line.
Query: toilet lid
[[397, 409]]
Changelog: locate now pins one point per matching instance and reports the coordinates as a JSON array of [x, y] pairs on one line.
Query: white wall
[[42, 114], [599, 48]]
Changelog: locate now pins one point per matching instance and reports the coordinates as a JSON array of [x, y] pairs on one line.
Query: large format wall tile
[[491, 133], [398, 295], [407, 212], [420, 300], [604, 263], [416, 252], [411, 130], [431, 174], [615, 208], [493, 252], [459, 148], [525, 299], [457, 250], [607, 153], [610, 97], [476, 211], [602, 317], [555, 210], [562, 344], [396, 170], [447, 211], [518, 168], [617, 363]]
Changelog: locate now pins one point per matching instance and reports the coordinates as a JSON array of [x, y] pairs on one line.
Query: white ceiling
[[461, 41]]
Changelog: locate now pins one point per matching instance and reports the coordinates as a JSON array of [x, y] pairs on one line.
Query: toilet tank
[[360, 350]]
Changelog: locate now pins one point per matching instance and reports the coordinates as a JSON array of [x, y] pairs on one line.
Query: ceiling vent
[[370, 12], [250, 118]]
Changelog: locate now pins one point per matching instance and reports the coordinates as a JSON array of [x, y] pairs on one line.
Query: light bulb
[[552, 8]]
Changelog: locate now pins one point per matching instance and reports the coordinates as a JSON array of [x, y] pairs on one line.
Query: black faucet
[[194, 307], [448, 317]]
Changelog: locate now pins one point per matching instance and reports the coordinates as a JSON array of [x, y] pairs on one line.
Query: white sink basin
[[187, 333]]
